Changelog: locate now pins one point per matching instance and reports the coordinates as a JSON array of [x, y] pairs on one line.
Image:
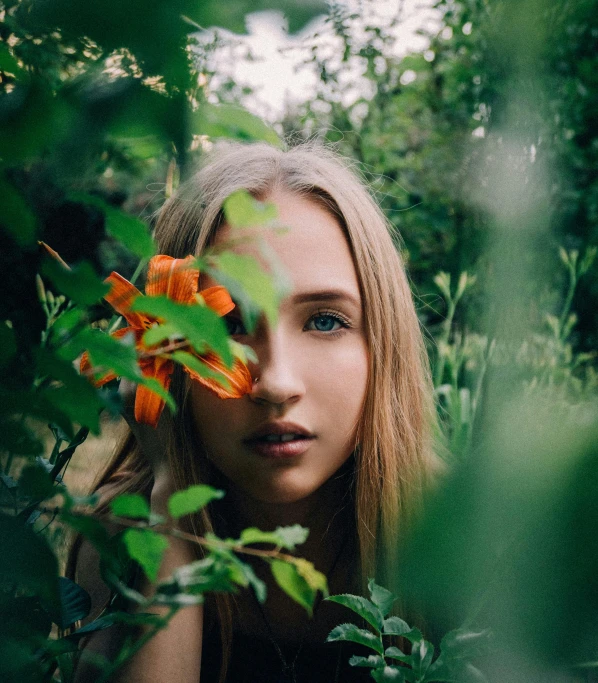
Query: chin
[[279, 496]]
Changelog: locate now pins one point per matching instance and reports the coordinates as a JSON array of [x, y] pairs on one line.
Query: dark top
[[255, 660]]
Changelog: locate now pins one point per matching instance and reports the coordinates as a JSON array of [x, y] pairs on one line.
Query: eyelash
[[337, 317]]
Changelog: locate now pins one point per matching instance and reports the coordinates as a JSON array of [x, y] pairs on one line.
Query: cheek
[[338, 384]]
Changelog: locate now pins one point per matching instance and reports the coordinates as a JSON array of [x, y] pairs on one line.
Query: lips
[[280, 428], [262, 443]]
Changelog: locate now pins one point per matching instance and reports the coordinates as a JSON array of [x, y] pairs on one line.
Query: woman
[[334, 435]]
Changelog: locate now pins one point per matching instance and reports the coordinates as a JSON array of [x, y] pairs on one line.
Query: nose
[[277, 374]]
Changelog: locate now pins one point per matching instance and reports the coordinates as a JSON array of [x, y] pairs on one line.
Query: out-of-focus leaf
[[229, 121], [27, 403], [25, 617], [28, 118], [35, 483], [354, 634], [193, 363], [16, 218], [132, 505], [364, 608], [108, 353], [147, 548], [17, 438], [192, 499], [198, 324], [248, 284], [241, 210], [30, 563], [291, 536], [70, 392], [498, 537], [132, 232], [315, 579], [81, 283], [8, 63]]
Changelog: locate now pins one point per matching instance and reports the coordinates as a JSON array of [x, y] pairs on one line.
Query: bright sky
[[275, 73]]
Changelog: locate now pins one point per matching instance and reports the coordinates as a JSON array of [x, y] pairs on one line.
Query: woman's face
[[311, 372]]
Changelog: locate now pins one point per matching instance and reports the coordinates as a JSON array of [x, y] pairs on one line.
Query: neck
[[326, 510]]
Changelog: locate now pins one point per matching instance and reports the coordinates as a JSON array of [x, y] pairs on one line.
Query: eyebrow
[[325, 295]]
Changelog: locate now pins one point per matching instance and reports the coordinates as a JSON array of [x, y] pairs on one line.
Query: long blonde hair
[[394, 460]]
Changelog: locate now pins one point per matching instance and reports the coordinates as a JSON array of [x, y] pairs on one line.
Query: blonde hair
[[394, 460]]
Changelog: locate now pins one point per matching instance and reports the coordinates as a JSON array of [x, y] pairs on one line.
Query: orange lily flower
[[176, 279]]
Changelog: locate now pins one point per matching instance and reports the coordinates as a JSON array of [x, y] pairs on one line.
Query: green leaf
[[132, 505], [30, 564], [393, 626], [364, 608], [70, 393], [293, 584], [190, 361], [108, 353], [80, 284], [395, 653], [15, 216], [242, 210], [230, 121], [8, 63], [382, 598], [147, 548], [353, 634], [248, 284], [371, 662], [315, 579], [199, 325], [253, 535], [249, 577], [36, 483], [17, 438], [291, 536], [75, 603], [464, 643], [288, 537], [421, 657], [132, 232], [192, 499]]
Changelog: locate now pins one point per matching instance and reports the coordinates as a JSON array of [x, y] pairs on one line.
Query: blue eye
[[325, 322]]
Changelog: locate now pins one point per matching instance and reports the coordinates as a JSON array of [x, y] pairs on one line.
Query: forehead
[[313, 250]]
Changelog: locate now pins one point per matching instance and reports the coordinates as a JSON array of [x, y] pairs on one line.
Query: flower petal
[[238, 377], [173, 277], [148, 404], [218, 299], [121, 295]]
